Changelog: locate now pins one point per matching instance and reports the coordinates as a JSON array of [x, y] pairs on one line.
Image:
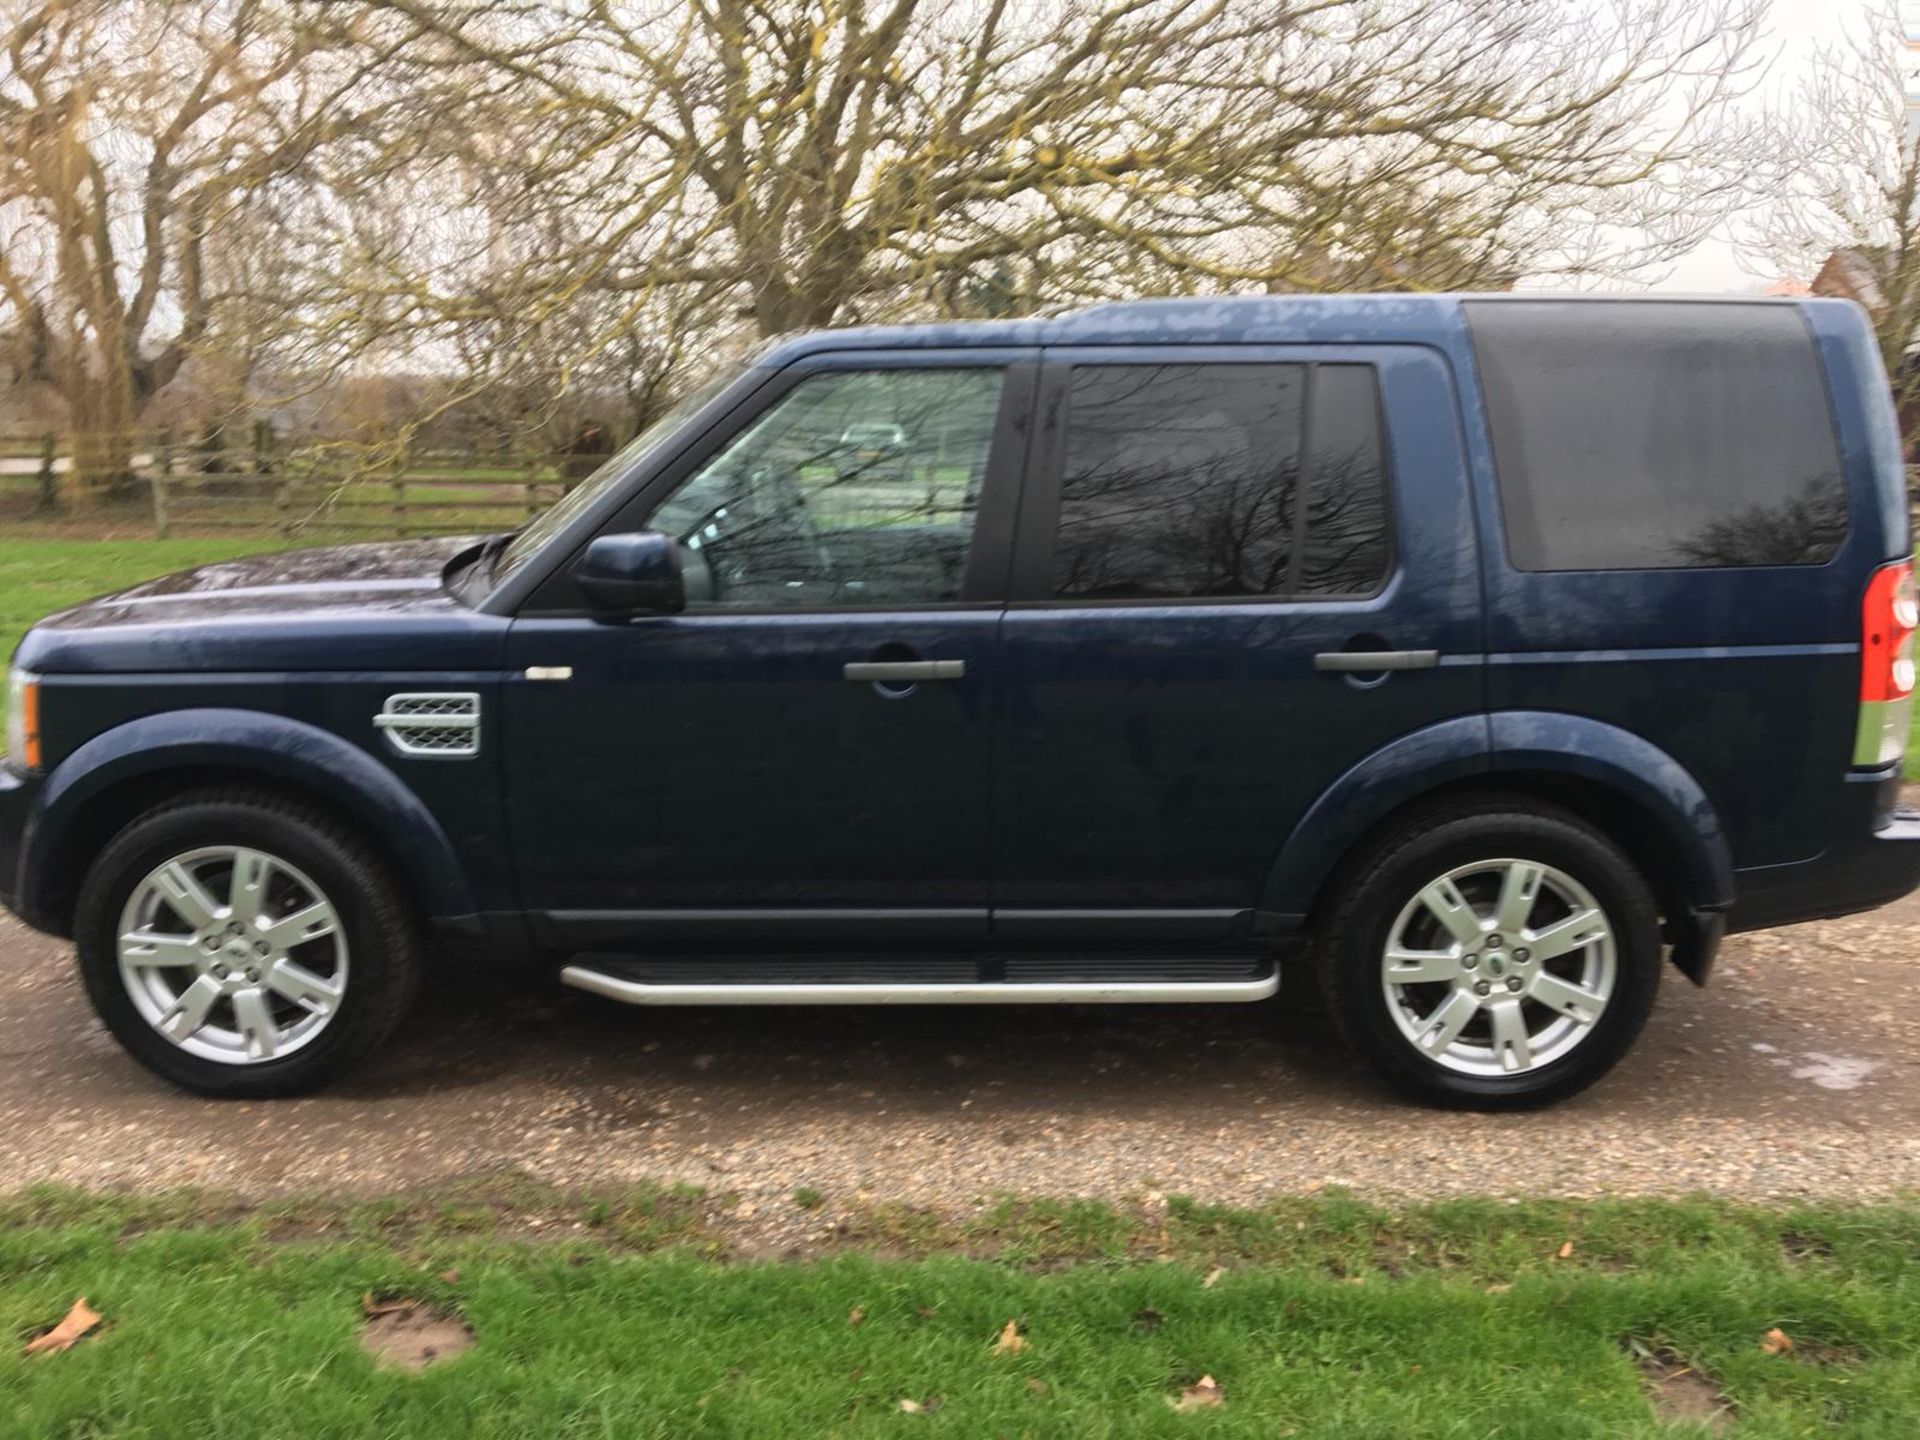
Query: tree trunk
[[100, 416]]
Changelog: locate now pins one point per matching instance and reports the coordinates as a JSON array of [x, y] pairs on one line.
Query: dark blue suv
[[1479, 650]]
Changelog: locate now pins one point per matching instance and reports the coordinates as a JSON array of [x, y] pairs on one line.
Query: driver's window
[[858, 487]]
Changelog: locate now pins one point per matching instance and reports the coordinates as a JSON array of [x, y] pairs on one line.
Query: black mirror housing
[[637, 572]]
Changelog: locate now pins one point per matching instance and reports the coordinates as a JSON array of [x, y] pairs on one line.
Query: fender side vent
[[433, 726]]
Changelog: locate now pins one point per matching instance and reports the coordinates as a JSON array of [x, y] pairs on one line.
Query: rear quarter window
[[1633, 435]]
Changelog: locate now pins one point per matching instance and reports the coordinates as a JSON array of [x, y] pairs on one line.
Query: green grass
[[616, 1316]]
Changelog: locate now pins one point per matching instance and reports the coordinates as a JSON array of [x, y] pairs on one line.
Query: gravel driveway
[[1795, 1074]]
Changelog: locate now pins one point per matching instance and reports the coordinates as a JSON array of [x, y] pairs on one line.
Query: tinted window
[[1346, 550], [1183, 481], [855, 488], [1634, 435]]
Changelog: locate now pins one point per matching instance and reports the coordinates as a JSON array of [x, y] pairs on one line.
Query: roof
[[1415, 319]]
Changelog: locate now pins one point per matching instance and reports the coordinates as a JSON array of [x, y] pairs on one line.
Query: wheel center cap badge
[[1496, 964]]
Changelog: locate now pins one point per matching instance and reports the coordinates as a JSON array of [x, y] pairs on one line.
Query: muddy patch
[[410, 1335], [1677, 1393], [1805, 1247]]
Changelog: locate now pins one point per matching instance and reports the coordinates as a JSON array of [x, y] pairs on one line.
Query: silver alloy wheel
[[233, 955], [1499, 967]]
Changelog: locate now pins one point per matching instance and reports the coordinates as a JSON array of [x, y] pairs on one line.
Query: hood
[[399, 572], [299, 609]]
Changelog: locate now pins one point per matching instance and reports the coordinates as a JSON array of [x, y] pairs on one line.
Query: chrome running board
[[967, 992]]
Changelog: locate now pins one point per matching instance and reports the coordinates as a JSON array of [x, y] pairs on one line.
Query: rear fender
[[1515, 743]]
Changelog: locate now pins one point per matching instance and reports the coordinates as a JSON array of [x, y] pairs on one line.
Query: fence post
[[533, 486], [49, 491], [400, 499], [162, 522]]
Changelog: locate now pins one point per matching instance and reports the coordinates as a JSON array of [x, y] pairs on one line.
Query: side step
[[861, 980]]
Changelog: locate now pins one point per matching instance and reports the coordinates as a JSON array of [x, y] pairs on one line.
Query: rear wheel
[[243, 945], [1493, 956]]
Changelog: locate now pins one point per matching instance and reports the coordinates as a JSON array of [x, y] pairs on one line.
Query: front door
[[803, 751], [1212, 543]]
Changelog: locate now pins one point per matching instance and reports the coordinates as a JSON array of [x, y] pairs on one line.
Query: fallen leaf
[[856, 1315], [927, 1312], [1147, 1321], [374, 1306], [1776, 1341], [450, 1277], [79, 1320], [1213, 1277], [1566, 1251], [920, 1407], [1011, 1341], [1499, 1287], [1036, 1386], [1203, 1394]]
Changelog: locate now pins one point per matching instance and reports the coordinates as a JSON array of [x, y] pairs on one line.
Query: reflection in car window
[[856, 488], [1182, 481], [1347, 549]]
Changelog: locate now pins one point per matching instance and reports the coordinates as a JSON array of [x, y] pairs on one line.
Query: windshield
[[554, 519]]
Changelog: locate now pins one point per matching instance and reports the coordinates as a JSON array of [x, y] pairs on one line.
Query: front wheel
[[1492, 956], [239, 944]]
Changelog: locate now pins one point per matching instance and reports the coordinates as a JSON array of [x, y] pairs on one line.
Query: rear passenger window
[[1644, 436], [1183, 482], [1346, 549]]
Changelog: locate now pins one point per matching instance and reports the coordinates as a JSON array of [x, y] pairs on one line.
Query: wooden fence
[[322, 492]]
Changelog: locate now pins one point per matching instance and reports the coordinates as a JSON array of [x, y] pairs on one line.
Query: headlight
[[23, 720]]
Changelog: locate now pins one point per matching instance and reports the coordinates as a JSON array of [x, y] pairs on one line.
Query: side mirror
[[633, 572]]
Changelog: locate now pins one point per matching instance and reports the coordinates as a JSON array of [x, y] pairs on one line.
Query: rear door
[[1214, 542]]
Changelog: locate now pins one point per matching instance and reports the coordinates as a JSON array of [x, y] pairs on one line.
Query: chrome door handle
[[1368, 661], [903, 672]]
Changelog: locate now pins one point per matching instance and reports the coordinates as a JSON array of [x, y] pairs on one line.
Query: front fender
[[270, 746], [1512, 742]]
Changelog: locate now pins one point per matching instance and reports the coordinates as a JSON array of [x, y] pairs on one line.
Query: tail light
[[1888, 618]]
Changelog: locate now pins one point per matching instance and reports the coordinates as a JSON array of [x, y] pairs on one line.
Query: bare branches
[[1842, 177], [519, 186], [131, 131], [837, 159]]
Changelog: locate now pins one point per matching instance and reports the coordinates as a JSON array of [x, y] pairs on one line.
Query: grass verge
[[619, 1314]]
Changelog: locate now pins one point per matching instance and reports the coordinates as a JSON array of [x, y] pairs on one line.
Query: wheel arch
[[126, 771], [1620, 783]]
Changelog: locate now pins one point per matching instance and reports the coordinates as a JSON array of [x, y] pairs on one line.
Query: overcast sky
[[1797, 29]]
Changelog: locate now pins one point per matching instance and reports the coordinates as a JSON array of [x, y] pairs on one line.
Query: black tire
[[1352, 936], [381, 930]]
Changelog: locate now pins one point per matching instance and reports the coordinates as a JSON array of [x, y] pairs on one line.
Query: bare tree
[[828, 162], [136, 140], [1841, 191]]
